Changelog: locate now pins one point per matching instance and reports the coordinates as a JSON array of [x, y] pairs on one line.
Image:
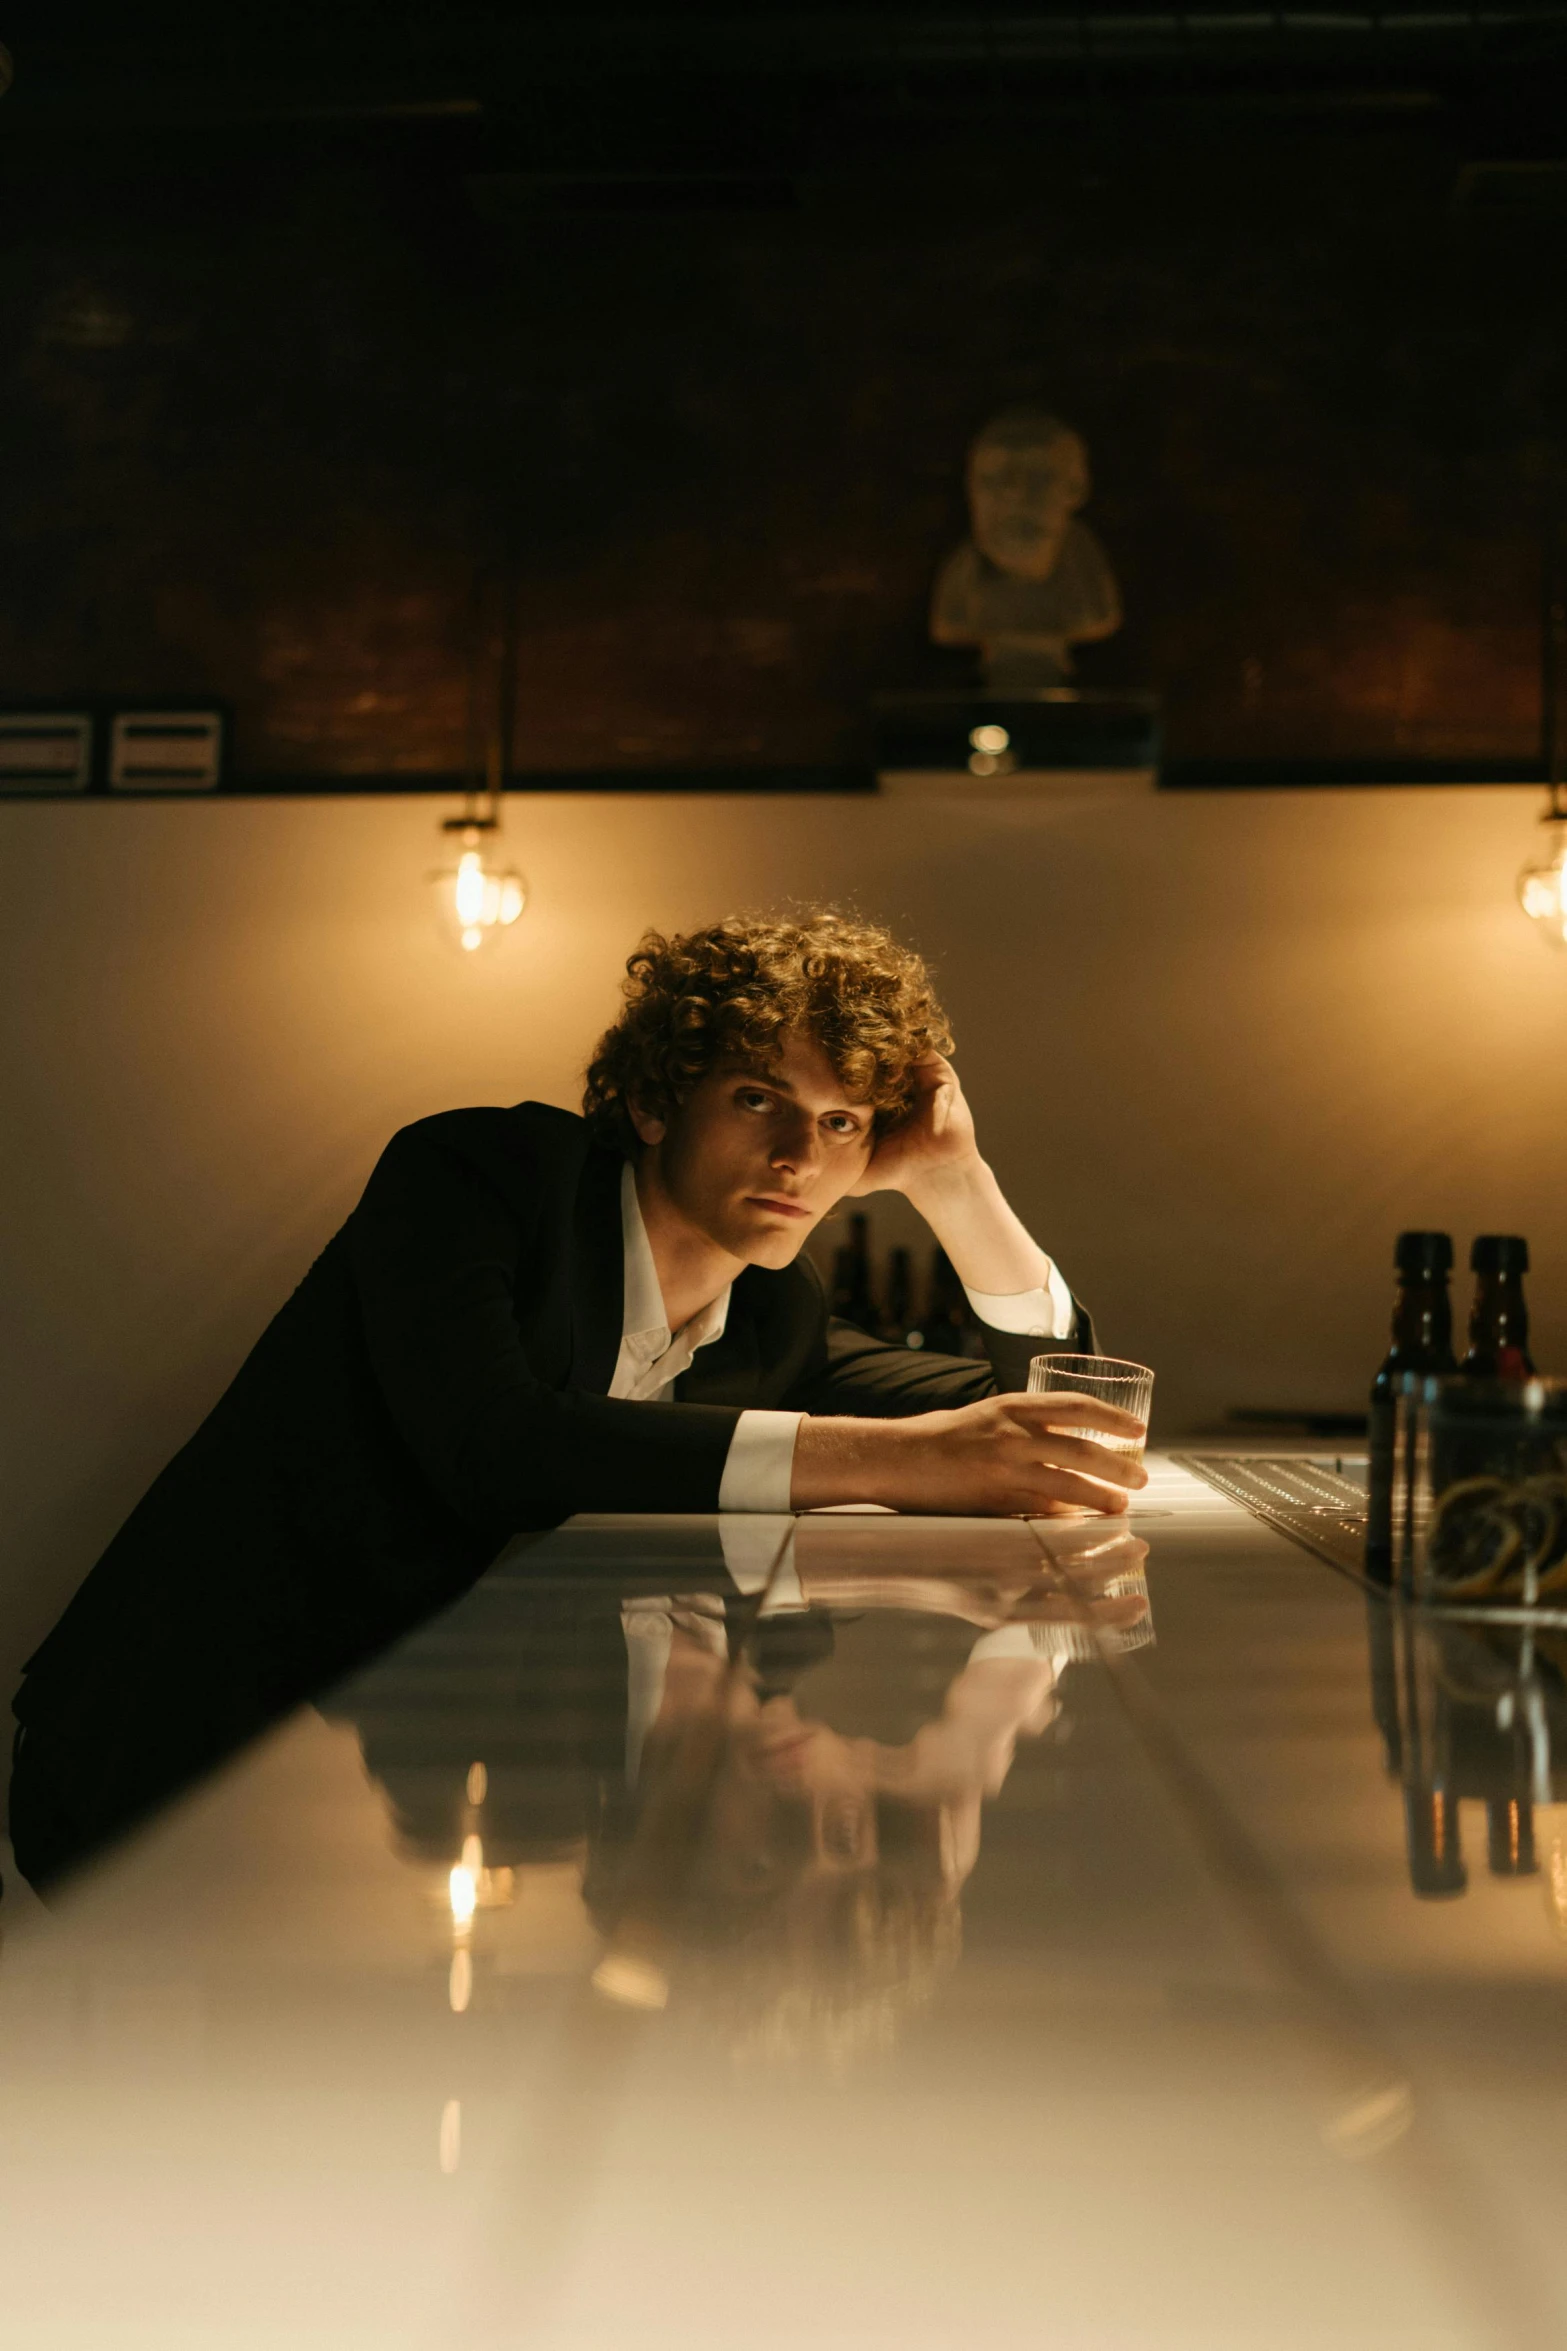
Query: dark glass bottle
[[853, 1298], [1499, 1319], [951, 1326], [899, 1318], [1422, 1344]]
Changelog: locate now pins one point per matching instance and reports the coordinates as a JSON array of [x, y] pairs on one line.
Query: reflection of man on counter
[[818, 1899], [530, 1314]]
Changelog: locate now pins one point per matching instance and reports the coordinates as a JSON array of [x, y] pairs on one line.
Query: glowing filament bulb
[[1542, 886], [471, 891], [477, 900]]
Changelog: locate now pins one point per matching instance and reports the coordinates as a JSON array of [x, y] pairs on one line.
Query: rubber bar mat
[[1307, 1500]]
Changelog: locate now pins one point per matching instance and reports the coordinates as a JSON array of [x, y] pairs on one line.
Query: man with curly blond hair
[[532, 1313]]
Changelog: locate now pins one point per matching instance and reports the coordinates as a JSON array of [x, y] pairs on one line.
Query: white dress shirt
[[759, 1465]]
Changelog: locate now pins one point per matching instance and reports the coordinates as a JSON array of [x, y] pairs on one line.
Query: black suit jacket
[[436, 1384]]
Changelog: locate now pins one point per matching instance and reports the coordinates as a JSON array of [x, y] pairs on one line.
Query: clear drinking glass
[[1487, 1482], [1106, 1377]]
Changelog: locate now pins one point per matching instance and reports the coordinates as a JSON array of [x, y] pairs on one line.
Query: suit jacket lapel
[[598, 1275], [728, 1371]]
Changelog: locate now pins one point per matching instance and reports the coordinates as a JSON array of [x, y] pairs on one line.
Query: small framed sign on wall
[[101, 748], [46, 750], [165, 751]]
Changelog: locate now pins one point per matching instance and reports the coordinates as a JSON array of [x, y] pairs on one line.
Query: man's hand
[[936, 1139], [1004, 1456]]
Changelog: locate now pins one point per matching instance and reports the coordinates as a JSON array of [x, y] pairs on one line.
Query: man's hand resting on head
[[1002, 1456], [934, 1160], [935, 1142]]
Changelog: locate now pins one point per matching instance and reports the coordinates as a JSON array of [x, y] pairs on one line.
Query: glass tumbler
[[1488, 1493], [1105, 1377]]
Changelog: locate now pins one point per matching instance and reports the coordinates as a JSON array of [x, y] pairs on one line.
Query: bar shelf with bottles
[[895, 1307]]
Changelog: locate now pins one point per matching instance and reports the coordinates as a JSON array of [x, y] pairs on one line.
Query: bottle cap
[[1424, 1253], [1499, 1253]]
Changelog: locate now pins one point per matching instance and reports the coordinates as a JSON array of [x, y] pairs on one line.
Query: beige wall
[[1221, 1049]]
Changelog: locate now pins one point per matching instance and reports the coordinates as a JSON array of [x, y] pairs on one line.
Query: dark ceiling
[[704, 90]]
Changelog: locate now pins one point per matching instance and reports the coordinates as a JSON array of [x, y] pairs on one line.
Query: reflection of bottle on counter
[[1499, 1319], [1431, 1829], [1422, 1343], [1436, 1863], [1510, 1837], [1476, 1719]]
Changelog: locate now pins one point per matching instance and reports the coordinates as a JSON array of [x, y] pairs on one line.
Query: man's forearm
[[991, 1249], [843, 1459]]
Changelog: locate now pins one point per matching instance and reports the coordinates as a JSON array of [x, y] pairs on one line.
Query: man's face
[[755, 1159]]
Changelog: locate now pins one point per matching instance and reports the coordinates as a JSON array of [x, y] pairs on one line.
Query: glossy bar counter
[[855, 1931]]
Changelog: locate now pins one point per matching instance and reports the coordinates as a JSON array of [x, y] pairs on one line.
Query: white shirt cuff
[[1046, 1313], [759, 1467], [759, 1554], [1009, 1641]]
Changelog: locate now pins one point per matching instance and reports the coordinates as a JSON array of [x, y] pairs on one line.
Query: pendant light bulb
[[478, 898], [1542, 885]]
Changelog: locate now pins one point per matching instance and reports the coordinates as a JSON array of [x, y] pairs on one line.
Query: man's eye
[[754, 1100]]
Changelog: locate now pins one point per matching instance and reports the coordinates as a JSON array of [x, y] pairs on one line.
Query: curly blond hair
[[735, 990]]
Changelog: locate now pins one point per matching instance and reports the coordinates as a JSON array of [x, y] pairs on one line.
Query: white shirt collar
[[644, 1318]]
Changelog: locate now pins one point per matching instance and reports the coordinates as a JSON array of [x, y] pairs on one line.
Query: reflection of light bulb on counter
[[463, 1894], [459, 1982], [990, 751], [471, 1886], [1542, 885], [478, 898]]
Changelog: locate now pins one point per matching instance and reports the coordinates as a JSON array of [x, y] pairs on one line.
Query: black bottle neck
[[1499, 1328], [1422, 1338]]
